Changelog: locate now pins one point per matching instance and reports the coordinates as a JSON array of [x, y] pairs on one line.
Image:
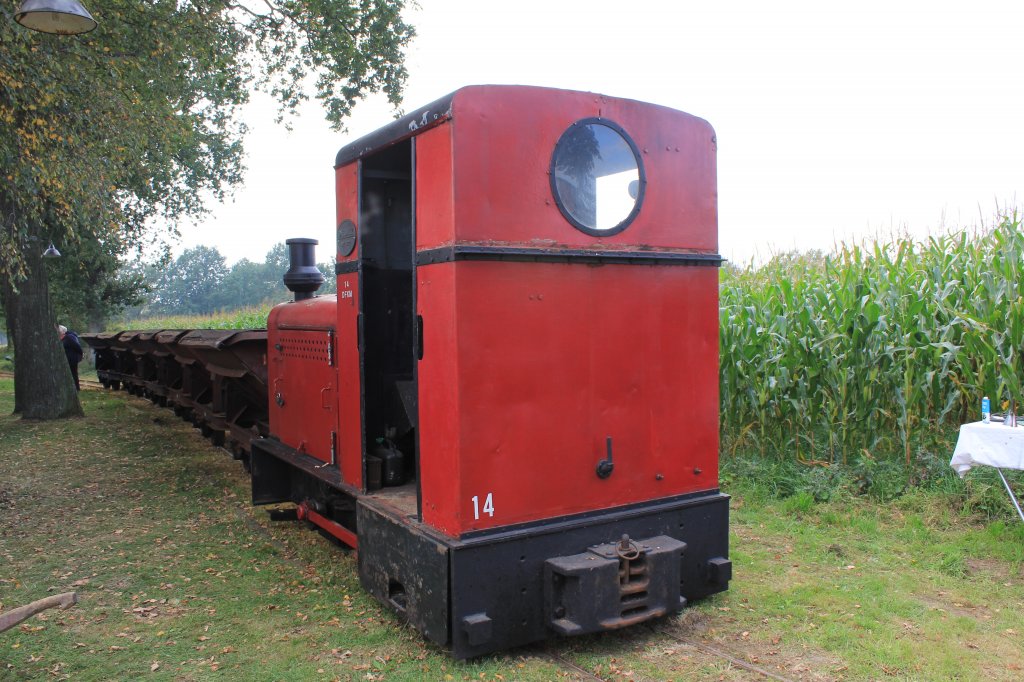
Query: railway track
[[565, 664], [721, 653], [733, 658]]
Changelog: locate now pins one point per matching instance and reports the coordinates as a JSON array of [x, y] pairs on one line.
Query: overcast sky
[[833, 122]]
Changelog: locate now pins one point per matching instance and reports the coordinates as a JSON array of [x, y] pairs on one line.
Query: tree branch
[[14, 616]]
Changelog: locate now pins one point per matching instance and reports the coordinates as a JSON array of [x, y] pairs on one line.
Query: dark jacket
[[72, 347]]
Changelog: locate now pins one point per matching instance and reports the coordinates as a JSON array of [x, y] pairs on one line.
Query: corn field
[[243, 318], [825, 357]]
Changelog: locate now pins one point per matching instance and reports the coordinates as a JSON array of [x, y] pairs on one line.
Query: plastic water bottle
[[986, 410]]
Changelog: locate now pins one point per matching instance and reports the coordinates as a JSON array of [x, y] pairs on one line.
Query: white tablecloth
[[995, 445]]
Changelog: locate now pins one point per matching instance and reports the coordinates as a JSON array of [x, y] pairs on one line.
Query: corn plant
[[829, 356], [244, 318]]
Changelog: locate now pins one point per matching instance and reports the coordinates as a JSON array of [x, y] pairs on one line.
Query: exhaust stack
[[302, 278]]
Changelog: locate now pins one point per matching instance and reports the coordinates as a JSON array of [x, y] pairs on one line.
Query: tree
[[102, 134], [330, 285], [197, 282], [189, 285], [246, 284], [192, 283], [91, 281], [278, 259]]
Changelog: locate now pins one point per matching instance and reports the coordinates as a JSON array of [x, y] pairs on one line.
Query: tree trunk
[[43, 386]]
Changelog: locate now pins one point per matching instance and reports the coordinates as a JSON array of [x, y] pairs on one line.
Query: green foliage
[[89, 283], [199, 283], [137, 124], [884, 480], [139, 119], [799, 503], [952, 562], [868, 349], [928, 481], [192, 283]]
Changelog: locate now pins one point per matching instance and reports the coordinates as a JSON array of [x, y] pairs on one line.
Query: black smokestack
[[302, 277]]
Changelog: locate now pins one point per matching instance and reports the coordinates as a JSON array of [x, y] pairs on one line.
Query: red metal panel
[[302, 379], [503, 140], [346, 196], [350, 437], [529, 367], [439, 416], [554, 358], [434, 198]]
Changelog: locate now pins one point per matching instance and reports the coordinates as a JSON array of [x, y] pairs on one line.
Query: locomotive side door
[[302, 381], [388, 325]]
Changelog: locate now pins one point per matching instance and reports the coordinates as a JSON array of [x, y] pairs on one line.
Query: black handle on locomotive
[[419, 337]]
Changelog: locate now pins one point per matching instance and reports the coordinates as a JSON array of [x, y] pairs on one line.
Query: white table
[[995, 445]]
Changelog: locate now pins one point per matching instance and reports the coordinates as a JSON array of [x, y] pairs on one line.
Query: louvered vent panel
[[306, 346]]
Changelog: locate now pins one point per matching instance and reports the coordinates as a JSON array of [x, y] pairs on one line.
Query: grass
[[181, 579]]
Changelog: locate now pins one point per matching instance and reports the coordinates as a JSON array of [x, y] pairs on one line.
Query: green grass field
[[181, 578]]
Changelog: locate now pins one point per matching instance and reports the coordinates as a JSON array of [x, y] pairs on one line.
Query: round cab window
[[597, 177]]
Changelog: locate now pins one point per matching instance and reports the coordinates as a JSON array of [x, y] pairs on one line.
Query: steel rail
[[721, 653]]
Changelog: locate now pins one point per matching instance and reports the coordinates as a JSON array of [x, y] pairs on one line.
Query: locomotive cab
[[511, 404]]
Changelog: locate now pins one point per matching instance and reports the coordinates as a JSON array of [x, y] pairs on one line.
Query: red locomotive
[[511, 405]]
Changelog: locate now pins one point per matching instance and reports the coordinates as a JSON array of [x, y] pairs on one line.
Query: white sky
[[833, 122]]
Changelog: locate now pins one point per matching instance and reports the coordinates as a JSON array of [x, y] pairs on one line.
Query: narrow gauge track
[[731, 657], [718, 652], [569, 666]]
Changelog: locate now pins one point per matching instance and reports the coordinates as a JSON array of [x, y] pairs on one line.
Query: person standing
[[73, 349]]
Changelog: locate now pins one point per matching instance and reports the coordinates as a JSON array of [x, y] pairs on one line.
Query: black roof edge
[[428, 116]]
